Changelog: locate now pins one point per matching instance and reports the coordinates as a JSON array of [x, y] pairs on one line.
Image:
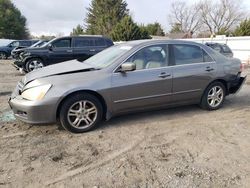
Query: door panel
[[61, 51], [142, 88], [193, 70], [189, 81]]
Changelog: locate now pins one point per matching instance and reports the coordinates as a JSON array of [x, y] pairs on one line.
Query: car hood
[[68, 67]]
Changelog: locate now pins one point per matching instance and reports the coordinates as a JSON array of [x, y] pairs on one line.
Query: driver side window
[[150, 57], [14, 44], [63, 43]]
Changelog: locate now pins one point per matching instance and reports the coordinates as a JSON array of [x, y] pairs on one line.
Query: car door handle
[[164, 75], [209, 69], [69, 51], [92, 50]]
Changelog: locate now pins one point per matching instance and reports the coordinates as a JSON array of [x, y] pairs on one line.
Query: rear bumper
[[235, 86]]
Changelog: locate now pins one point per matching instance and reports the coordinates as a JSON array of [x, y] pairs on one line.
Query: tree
[[176, 28], [155, 29], [184, 18], [243, 29], [144, 32], [79, 30], [104, 15], [128, 30], [221, 16], [12, 22]]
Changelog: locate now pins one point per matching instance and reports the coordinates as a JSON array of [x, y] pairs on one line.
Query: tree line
[[112, 18], [208, 17]]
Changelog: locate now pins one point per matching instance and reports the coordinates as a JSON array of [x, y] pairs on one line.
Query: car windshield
[[49, 42], [38, 44], [108, 56]]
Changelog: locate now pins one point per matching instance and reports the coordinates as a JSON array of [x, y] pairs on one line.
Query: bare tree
[[221, 16], [185, 16]]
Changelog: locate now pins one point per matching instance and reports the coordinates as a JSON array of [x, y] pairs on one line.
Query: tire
[[214, 96], [3, 55], [80, 113], [33, 64]]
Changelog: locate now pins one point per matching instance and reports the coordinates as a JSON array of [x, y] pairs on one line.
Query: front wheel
[[214, 96], [33, 64], [80, 113]]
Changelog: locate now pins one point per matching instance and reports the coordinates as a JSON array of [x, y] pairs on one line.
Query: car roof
[[212, 43], [82, 36], [156, 41]]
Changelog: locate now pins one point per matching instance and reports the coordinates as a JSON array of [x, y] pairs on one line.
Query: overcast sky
[[60, 16]]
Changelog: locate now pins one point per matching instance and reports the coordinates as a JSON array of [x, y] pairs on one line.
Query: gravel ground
[[179, 147]]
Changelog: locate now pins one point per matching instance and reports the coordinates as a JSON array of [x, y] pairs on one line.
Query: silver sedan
[[129, 77]]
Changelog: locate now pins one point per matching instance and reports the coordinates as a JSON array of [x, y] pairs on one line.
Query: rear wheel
[[214, 96], [3, 55], [80, 113], [33, 64]]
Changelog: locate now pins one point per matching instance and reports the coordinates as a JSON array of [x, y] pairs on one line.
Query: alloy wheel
[[215, 96], [82, 114], [35, 64]]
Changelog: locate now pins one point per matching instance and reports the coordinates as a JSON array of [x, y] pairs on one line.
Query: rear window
[[226, 49]]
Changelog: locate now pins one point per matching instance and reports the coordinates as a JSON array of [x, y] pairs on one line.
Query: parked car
[[5, 51], [63, 49], [18, 50], [133, 76], [221, 48]]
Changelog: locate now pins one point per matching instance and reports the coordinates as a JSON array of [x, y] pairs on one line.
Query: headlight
[[36, 93]]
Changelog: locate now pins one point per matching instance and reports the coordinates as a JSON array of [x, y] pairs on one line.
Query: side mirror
[[50, 47], [128, 67]]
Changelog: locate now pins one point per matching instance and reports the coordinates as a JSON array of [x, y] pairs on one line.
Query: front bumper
[[33, 112], [236, 85]]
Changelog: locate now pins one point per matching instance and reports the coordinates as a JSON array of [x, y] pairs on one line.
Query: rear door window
[[187, 54], [83, 42], [207, 57]]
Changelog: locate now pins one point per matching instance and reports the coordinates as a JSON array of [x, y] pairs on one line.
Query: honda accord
[[133, 76]]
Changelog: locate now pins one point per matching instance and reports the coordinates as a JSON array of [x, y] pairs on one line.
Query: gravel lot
[[180, 147]]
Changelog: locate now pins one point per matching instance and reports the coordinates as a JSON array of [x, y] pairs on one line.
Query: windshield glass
[[49, 42], [107, 57], [38, 44]]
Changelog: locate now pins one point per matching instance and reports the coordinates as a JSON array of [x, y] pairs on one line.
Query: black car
[[5, 51], [18, 50], [62, 49], [222, 48]]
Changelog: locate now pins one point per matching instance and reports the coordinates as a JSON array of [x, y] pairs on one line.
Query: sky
[[59, 17]]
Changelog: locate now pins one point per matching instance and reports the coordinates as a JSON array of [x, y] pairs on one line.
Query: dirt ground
[[180, 147]]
